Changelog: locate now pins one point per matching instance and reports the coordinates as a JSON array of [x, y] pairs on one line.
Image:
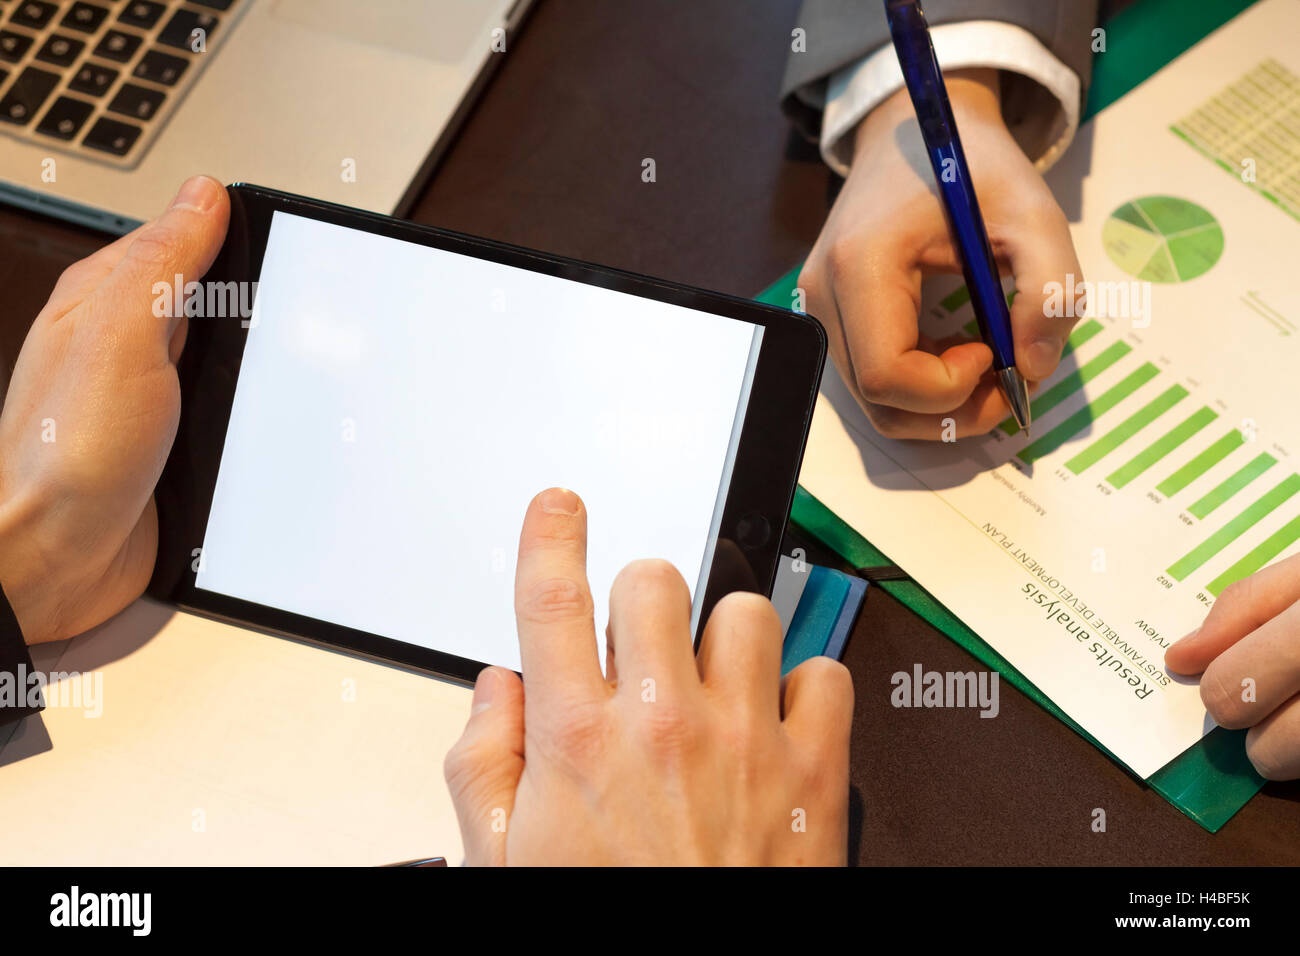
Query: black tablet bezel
[[764, 475]]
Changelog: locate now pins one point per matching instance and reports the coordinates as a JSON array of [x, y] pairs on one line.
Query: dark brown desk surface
[[551, 158]]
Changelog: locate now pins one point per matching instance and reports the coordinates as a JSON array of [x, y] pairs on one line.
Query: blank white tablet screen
[[398, 406]]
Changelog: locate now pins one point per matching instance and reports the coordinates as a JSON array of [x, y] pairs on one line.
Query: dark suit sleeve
[[15, 666], [841, 32]]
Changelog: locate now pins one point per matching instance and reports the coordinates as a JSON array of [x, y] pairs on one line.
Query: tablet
[[368, 406]]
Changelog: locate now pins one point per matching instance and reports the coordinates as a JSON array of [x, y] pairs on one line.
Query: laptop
[[106, 106]]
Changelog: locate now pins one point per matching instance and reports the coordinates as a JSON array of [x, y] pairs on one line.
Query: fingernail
[[486, 690], [197, 193], [1186, 637], [1042, 356], [559, 501]]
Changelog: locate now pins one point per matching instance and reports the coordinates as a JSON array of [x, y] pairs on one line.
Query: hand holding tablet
[[88, 422], [355, 449]]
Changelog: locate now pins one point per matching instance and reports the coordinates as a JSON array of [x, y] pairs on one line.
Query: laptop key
[[65, 117], [111, 136], [85, 17], [118, 46], [214, 4], [13, 46], [141, 13], [180, 31], [61, 51], [33, 13], [25, 97], [159, 67], [137, 102], [93, 79]]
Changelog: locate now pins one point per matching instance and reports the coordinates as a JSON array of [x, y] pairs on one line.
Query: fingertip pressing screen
[[399, 405]]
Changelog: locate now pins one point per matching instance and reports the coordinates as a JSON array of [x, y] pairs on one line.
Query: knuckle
[[811, 276], [843, 258], [823, 781], [552, 535], [154, 248], [463, 765], [74, 275], [874, 386], [891, 429], [1261, 759], [577, 735], [749, 752], [743, 731], [1221, 696], [552, 599], [669, 730], [885, 420], [829, 680], [1268, 763], [549, 538], [650, 574], [747, 611], [454, 764]]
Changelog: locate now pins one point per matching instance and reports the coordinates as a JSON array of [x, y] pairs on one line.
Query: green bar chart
[[1233, 530], [1080, 420], [1073, 380], [1202, 463], [1159, 432], [1225, 490], [1126, 429], [1082, 333], [1271, 547], [1158, 449]]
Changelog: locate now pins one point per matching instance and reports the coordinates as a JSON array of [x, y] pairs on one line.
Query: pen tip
[[1016, 391]]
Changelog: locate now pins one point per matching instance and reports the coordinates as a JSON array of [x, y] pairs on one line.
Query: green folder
[[1213, 779]]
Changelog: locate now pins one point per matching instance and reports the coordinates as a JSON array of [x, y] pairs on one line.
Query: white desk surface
[[218, 745]]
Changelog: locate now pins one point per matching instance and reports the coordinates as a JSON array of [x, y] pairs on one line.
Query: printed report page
[[1162, 463]]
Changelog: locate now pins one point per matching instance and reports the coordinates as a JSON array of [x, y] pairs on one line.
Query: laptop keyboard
[[98, 78]]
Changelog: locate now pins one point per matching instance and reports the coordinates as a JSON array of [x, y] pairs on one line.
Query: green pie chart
[[1162, 239]]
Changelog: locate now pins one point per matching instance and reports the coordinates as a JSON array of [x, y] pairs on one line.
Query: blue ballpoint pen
[[939, 130]]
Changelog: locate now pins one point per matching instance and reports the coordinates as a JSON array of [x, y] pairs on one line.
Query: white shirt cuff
[[1042, 128]]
